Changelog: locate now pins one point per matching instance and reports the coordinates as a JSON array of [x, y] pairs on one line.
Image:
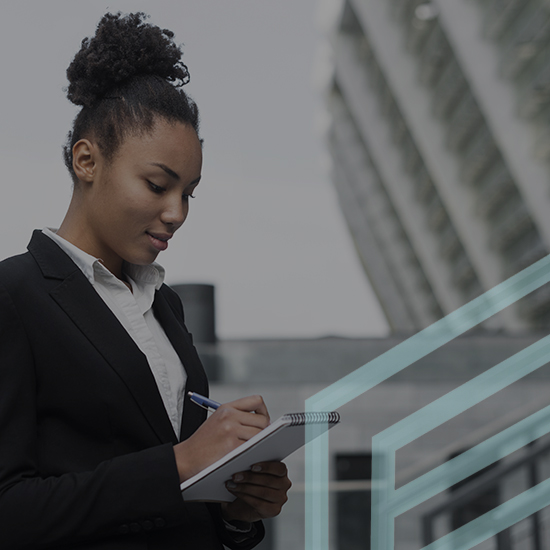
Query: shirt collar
[[83, 260], [144, 279]]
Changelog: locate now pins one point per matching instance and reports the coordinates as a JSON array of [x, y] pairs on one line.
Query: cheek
[[186, 209], [123, 207], [132, 212]]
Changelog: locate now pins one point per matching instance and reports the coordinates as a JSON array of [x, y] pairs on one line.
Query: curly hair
[[124, 77]]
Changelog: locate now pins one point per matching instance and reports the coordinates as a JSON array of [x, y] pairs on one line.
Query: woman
[[96, 429]]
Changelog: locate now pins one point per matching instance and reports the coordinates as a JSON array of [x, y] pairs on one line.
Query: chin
[[141, 260]]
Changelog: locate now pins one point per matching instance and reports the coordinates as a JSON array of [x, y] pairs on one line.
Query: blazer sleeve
[[141, 487]]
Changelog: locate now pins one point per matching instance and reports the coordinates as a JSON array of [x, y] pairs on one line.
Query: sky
[[265, 227]]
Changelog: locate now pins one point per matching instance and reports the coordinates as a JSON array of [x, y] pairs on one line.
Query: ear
[[85, 160]]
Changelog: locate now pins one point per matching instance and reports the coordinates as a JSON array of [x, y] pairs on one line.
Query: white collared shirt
[[135, 312]]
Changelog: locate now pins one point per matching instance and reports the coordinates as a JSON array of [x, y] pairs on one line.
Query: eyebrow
[[169, 171]]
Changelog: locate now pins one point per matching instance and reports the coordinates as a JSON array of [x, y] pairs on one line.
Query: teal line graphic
[[390, 502], [316, 497], [493, 522], [392, 362], [495, 448]]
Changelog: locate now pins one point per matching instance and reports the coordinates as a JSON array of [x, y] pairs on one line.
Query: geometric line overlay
[[490, 524], [390, 503], [385, 498]]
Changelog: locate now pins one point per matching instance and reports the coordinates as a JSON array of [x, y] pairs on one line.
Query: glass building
[[440, 138]]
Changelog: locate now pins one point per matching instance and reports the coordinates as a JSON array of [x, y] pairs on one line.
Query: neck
[[75, 229]]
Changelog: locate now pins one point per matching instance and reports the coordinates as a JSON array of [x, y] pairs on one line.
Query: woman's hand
[[260, 492], [228, 427]]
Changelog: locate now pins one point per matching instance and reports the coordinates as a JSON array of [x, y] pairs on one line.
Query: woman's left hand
[[261, 492]]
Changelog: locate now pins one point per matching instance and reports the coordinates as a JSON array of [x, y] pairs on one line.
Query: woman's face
[[135, 203]]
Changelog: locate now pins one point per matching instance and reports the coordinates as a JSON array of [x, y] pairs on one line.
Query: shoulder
[[18, 270], [44, 265], [30, 272], [18, 283]]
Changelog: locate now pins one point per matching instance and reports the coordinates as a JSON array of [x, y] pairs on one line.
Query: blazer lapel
[[193, 415], [93, 317]]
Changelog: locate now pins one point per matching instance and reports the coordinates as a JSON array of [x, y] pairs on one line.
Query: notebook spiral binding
[[299, 419]]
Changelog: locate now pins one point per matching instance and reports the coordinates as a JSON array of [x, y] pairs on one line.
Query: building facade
[[440, 138], [287, 372]]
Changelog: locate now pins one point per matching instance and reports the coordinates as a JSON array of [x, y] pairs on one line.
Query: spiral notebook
[[276, 442]]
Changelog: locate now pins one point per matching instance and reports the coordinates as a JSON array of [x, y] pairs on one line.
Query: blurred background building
[[440, 140], [286, 372]]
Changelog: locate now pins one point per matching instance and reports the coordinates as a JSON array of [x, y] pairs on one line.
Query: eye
[[156, 188], [187, 197]]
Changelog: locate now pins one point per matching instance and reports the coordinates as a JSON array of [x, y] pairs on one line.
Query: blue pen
[[203, 402]]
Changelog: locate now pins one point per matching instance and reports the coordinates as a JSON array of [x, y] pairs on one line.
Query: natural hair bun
[[123, 47]]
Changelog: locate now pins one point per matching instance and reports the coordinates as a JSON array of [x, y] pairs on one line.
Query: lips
[[159, 240]]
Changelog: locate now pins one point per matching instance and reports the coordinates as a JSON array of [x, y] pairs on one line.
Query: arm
[[136, 488], [261, 492], [232, 424], [229, 426]]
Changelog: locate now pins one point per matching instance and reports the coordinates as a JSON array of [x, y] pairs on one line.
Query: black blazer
[[86, 458]]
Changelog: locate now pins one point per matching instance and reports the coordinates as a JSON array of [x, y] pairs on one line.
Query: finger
[[251, 403], [228, 414], [279, 483], [274, 468], [253, 420], [257, 493]]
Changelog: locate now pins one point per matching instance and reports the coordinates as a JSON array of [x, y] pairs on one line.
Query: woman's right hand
[[228, 427]]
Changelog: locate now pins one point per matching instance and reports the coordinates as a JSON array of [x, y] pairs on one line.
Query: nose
[[174, 212]]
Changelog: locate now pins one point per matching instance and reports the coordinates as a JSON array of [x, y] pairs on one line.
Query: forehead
[[174, 144]]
